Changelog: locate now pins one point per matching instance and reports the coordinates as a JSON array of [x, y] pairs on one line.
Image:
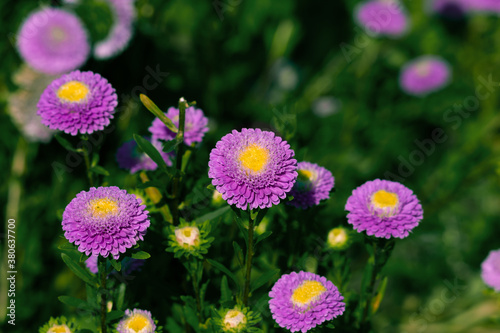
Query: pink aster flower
[[301, 301], [78, 102], [252, 167], [195, 126], [384, 209], [53, 41], [450, 8], [484, 6], [313, 184], [424, 75], [490, 270], [136, 321], [104, 221], [129, 157], [121, 32], [382, 17]]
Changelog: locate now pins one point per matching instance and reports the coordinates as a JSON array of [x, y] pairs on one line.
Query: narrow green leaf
[[263, 236], [151, 151], [151, 106], [211, 187], [121, 296], [76, 302], [238, 252], [95, 159], [379, 296], [65, 143], [79, 270], [113, 315], [212, 215], [225, 293], [99, 170], [260, 215], [263, 279], [116, 264], [67, 246], [141, 255], [170, 145], [226, 271]]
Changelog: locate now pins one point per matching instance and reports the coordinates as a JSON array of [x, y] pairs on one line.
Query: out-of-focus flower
[[237, 320], [129, 157], [339, 238], [490, 270], [326, 106], [382, 17], [424, 75], [313, 184], [190, 239], [252, 167]]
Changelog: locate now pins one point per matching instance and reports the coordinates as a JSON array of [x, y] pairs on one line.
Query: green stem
[[196, 286], [249, 259], [178, 160], [102, 272], [86, 157]]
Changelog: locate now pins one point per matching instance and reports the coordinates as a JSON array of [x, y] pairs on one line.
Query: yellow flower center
[[103, 207], [254, 157], [307, 292], [234, 318], [304, 175], [423, 68], [337, 237], [137, 322], [73, 91], [58, 34], [187, 236], [383, 199], [59, 329]]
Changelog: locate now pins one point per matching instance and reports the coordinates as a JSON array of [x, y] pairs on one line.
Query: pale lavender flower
[[382, 17], [490, 270], [424, 75]]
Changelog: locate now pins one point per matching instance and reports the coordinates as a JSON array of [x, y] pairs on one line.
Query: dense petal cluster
[[301, 301], [136, 321], [384, 209], [130, 158], [53, 41], [313, 184], [490, 270], [382, 17], [121, 32], [78, 102], [104, 221], [424, 75], [252, 167], [195, 126]]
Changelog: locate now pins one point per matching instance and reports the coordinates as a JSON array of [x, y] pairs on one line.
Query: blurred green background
[[279, 65]]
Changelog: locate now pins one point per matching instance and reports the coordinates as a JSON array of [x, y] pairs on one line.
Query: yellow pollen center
[[137, 322], [103, 207], [73, 91], [254, 157], [384, 199], [234, 318], [304, 175], [59, 329], [307, 292], [423, 68], [58, 34], [187, 232]]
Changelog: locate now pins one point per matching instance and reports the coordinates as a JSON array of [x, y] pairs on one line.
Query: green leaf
[[76, 302], [260, 215], [99, 170], [212, 215], [113, 315], [211, 187], [238, 252], [263, 279], [379, 296], [116, 264], [263, 236], [79, 270], [141, 255], [223, 268], [170, 145], [65, 143], [121, 296], [151, 151], [151, 106], [225, 293], [95, 159]]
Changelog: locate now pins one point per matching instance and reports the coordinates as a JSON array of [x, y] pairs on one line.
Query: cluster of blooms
[[55, 41]]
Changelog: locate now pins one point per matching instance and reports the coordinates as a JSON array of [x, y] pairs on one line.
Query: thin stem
[[249, 260], [102, 272], [86, 157], [178, 160], [196, 286], [370, 287]]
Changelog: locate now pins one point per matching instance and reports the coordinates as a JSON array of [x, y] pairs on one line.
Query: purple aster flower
[[484, 6], [450, 8], [136, 321], [78, 102], [490, 270], [252, 167], [313, 184], [121, 32], [105, 220], [195, 126], [382, 17], [53, 41], [129, 157], [384, 209], [424, 75], [301, 301]]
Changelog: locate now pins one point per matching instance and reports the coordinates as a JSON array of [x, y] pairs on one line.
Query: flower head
[[339, 238], [53, 41], [490, 270], [382, 17], [252, 167], [384, 209], [236, 320], [424, 75], [484, 6], [129, 157], [104, 221], [119, 36], [78, 102], [452, 9], [136, 321], [190, 239], [195, 126], [313, 184], [58, 325], [301, 301]]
